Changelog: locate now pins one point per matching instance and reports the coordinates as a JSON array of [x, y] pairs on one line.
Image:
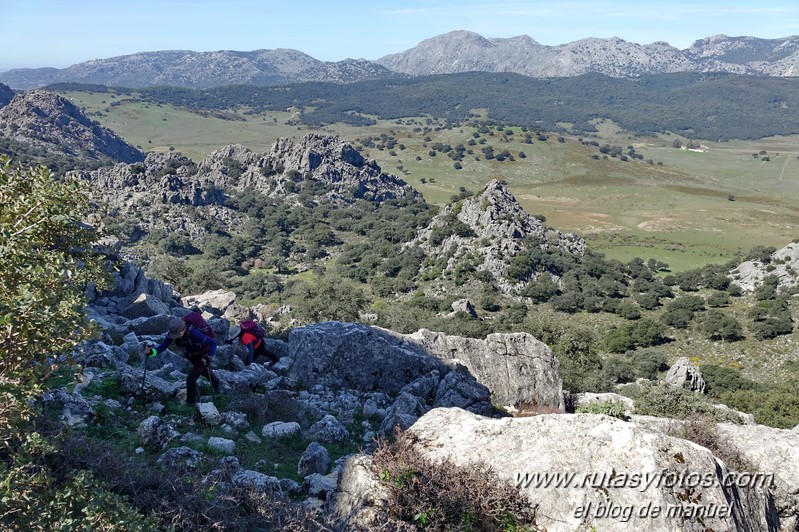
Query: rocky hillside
[[464, 51], [51, 123], [196, 191], [782, 264], [305, 427], [201, 70], [488, 230], [457, 51]]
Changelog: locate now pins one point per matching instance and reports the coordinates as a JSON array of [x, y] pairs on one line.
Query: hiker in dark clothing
[[198, 348]]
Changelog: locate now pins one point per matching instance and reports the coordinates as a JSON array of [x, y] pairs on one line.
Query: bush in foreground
[[443, 496]]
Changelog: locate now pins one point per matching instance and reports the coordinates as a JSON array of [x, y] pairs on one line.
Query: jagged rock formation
[[45, 120], [6, 95], [783, 264], [608, 452], [326, 159], [163, 192], [494, 228], [316, 157], [167, 191], [464, 51], [185, 68], [167, 178]]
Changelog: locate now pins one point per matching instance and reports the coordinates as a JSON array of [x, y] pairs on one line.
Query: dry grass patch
[[444, 496]]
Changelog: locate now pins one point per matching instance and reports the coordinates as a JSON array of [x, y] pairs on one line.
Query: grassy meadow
[[682, 207]]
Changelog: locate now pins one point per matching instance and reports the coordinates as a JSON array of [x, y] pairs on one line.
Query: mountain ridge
[[456, 51], [186, 68], [611, 56]]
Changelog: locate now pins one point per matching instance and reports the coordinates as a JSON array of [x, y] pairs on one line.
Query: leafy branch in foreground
[[47, 261]]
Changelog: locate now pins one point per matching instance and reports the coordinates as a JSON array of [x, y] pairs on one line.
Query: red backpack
[[195, 319], [249, 326]]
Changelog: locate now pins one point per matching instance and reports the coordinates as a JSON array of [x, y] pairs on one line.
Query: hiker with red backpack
[[251, 335], [197, 339]]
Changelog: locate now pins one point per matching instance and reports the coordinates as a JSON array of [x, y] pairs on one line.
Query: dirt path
[[783, 167]]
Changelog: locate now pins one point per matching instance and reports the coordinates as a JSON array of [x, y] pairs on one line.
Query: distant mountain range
[[200, 70], [454, 52]]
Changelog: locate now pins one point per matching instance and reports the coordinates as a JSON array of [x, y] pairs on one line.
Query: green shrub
[[608, 408], [663, 400], [718, 299], [329, 298], [541, 290], [643, 333], [628, 311], [679, 318], [618, 371], [47, 261], [618, 340], [693, 303], [648, 363], [775, 407], [720, 380], [718, 326]]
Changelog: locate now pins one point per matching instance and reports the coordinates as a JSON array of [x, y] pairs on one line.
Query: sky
[[60, 33]]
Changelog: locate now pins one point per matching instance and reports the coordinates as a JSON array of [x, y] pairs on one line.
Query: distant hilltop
[[457, 51]]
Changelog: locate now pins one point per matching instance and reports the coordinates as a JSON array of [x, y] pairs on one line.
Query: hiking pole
[[142, 390], [210, 380]]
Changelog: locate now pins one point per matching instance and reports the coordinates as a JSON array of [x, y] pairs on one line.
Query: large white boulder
[[587, 472]]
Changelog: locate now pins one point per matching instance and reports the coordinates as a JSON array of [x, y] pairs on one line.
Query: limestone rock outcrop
[[494, 226], [46, 120], [583, 471], [783, 264], [517, 368], [684, 374]]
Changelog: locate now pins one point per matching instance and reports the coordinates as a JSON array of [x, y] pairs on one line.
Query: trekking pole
[[142, 390], [210, 380]]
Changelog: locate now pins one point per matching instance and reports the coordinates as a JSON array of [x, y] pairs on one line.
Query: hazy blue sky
[[59, 33]]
